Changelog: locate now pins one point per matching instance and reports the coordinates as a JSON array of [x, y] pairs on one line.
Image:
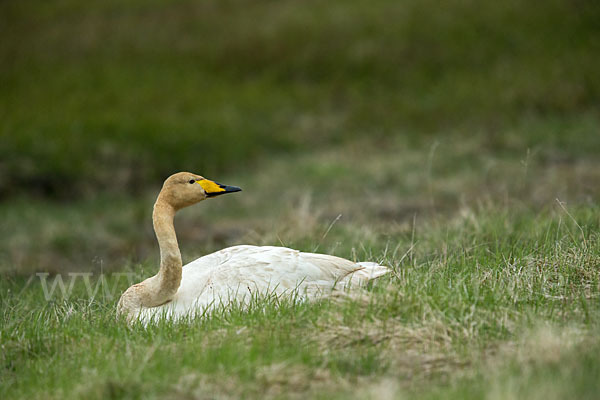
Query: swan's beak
[[213, 189]]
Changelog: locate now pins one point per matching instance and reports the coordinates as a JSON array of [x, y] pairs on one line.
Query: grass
[[490, 304], [495, 291]]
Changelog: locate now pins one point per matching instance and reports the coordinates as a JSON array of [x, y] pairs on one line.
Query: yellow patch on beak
[[211, 187]]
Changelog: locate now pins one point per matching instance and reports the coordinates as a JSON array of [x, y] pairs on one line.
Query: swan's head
[[184, 189]]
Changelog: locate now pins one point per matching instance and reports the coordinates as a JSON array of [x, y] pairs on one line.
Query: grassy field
[[495, 291], [488, 304], [456, 142]]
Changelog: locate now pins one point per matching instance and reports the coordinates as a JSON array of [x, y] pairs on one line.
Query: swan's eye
[[192, 181]]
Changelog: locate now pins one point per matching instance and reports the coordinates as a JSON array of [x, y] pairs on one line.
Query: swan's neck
[[161, 288], [169, 275]]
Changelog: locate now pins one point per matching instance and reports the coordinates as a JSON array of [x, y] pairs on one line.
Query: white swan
[[234, 274]]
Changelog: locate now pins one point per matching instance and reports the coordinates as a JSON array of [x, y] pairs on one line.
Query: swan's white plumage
[[238, 273]]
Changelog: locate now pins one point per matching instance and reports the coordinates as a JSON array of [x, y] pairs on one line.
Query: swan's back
[[238, 273]]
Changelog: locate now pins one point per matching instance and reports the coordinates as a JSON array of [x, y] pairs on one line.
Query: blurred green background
[[108, 95], [377, 110]]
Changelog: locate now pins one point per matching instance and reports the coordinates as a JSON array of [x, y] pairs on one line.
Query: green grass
[[491, 304], [495, 291]]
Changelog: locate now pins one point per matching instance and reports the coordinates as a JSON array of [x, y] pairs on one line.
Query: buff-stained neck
[[166, 283]]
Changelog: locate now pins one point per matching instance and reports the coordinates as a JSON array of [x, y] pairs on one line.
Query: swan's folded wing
[[266, 268]]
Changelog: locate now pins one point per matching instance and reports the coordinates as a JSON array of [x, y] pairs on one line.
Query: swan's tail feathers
[[372, 270], [366, 272]]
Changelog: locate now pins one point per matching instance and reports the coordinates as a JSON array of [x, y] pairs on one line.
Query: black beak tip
[[231, 189]]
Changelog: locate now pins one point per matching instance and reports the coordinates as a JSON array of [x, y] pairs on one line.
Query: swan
[[231, 275]]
